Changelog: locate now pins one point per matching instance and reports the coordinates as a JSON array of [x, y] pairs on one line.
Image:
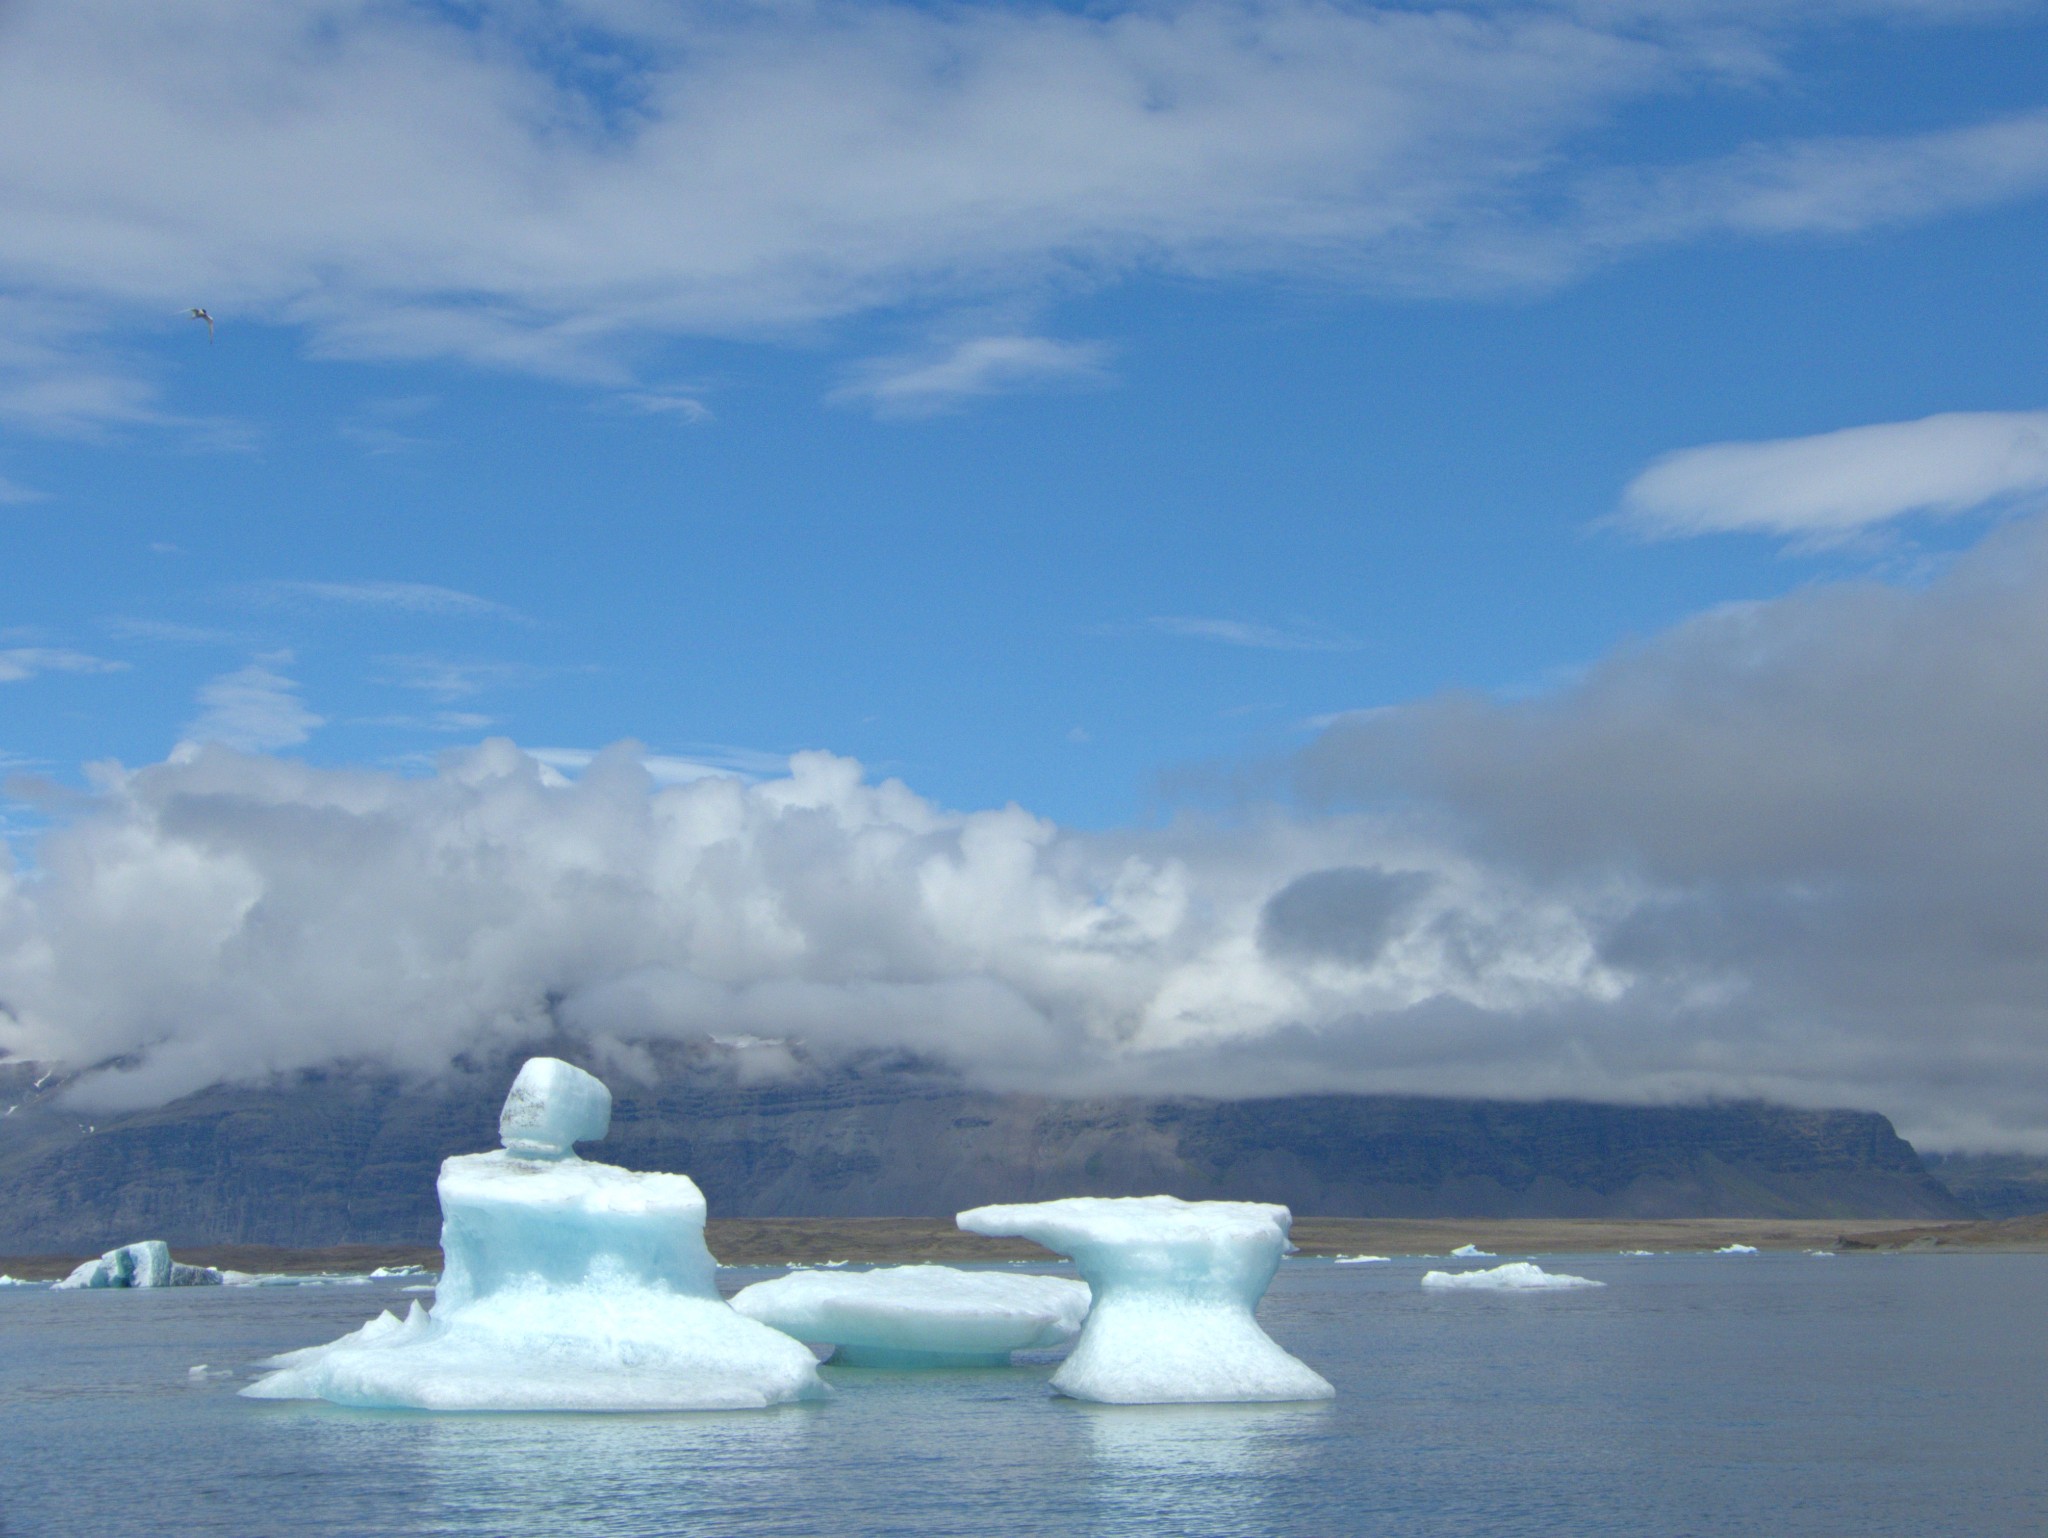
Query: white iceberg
[[1736, 1249], [1515, 1276], [920, 1316], [1361, 1260], [18, 1281], [147, 1264], [1471, 1252], [1174, 1285], [568, 1285]]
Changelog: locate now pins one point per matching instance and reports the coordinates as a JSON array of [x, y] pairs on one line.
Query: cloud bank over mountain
[[1789, 849]]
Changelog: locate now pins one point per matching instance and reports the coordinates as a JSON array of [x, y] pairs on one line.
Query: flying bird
[[198, 314]]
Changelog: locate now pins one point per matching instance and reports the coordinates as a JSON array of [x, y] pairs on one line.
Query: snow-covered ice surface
[[1515, 1276], [568, 1285], [1471, 1252], [1174, 1283], [146, 1264], [920, 1316]]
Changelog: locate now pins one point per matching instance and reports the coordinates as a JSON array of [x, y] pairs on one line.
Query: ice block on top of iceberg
[[145, 1264], [920, 1316], [566, 1285], [1174, 1285]]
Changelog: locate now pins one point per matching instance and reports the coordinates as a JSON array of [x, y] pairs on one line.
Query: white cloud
[[413, 597], [14, 494], [667, 403], [255, 709], [559, 188], [1835, 484], [454, 678], [1233, 632], [24, 662], [919, 385], [224, 915]]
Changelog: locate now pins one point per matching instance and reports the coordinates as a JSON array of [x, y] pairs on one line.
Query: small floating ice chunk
[[1736, 1249], [1471, 1252], [146, 1264], [1515, 1276], [1361, 1260], [17, 1281], [920, 1316], [1174, 1284], [569, 1285], [383, 1273], [1638, 1252]]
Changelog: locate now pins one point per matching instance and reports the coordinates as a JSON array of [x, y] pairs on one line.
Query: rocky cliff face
[[351, 1158]]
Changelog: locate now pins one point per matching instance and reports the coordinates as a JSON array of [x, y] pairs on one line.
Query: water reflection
[[539, 1476], [1223, 1468]]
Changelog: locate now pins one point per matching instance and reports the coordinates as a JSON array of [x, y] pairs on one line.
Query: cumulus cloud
[[224, 914], [1836, 484], [557, 188], [1824, 814], [255, 709]]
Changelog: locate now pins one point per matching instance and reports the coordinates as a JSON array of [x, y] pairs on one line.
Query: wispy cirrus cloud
[[20, 663], [255, 709], [14, 494], [913, 385], [410, 597], [1261, 637], [1830, 486]]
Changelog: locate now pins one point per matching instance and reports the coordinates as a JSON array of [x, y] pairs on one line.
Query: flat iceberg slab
[[147, 1264], [920, 1316], [1515, 1276], [1174, 1284], [568, 1285]]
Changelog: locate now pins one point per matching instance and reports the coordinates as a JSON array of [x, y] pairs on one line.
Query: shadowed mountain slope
[[351, 1157]]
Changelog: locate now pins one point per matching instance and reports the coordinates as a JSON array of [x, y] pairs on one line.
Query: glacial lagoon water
[[1766, 1396]]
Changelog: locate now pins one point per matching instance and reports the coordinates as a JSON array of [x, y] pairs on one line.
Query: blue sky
[[1499, 548]]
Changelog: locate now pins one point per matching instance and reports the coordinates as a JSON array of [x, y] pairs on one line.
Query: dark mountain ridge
[[350, 1157]]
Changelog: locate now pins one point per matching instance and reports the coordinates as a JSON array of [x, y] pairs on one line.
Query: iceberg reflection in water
[[1216, 1467]]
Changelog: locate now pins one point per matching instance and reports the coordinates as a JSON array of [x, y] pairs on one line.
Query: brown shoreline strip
[[904, 1241]]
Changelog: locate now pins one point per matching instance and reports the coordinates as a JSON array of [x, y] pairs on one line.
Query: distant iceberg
[[147, 1264], [920, 1316], [1736, 1249], [1174, 1283], [1515, 1276], [569, 1285], [1361, 1260], [1471, 1252], [17, 1281]]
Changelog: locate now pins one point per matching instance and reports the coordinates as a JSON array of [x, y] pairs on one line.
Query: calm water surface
[[1760, 1396]]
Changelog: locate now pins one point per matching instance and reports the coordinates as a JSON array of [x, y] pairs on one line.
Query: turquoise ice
[[1175, 1284], [567, 1285]]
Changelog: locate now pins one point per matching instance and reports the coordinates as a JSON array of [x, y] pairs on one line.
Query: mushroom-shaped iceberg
[[920, 1316], [567, 1285], [1174, 1284]]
